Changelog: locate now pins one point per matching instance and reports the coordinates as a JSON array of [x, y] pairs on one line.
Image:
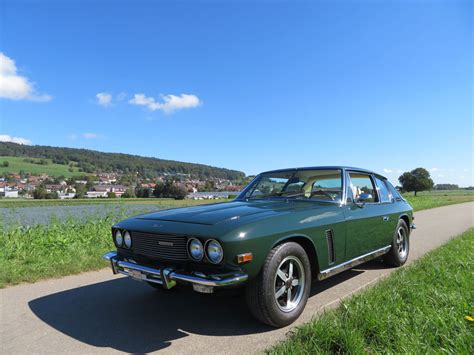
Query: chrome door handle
[[386, 218]]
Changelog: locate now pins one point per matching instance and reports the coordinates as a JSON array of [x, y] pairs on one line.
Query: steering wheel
[[321, 192]]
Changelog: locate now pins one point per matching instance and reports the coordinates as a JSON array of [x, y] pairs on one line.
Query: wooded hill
[[91, 161]]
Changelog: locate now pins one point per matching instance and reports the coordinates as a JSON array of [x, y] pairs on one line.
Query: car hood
[[229, 211]]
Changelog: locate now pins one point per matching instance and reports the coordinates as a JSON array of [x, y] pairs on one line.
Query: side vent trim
[[331, 251]]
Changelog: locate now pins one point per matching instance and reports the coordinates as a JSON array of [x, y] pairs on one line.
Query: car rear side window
[[383, 190], [394, 192], [362, 184]]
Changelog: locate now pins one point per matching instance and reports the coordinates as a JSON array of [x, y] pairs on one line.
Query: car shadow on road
[[130, 316]]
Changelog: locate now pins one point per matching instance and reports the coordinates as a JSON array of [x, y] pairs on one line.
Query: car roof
[[351, 168]]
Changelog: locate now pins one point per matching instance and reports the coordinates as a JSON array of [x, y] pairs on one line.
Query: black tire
[[261, 292], [398, 254]]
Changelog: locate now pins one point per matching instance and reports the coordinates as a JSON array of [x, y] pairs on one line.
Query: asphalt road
[[98, 312]]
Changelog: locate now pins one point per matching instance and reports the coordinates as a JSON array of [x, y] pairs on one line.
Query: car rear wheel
[[278, 295], [398, 254]]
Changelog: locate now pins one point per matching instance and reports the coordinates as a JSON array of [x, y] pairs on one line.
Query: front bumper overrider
[[168, 276]]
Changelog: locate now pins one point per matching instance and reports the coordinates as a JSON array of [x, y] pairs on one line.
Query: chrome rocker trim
[[353, 262], [168, 276]]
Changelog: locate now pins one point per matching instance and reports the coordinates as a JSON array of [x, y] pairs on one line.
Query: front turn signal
[[243, 258]]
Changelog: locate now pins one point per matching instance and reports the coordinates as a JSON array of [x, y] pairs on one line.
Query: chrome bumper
[[169, 276]]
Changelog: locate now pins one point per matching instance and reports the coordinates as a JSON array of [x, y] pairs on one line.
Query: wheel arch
[[406, 219], [308, 245]]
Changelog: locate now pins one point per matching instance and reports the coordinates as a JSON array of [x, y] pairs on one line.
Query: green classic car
[[286, 228]]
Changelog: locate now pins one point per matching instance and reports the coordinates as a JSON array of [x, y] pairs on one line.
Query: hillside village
[[112, 185], [44, 172]]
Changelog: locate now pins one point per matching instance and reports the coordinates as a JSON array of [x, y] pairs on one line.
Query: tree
[[40, 192], [170, 189], [144, 192], [416, 180], [81, 190], [180, 192], [129, 193], [446, 187], [111, 194]]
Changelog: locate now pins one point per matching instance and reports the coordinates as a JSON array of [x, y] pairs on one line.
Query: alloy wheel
[[289, 283]]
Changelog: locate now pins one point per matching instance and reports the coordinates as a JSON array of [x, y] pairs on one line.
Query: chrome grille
[[159, 246]]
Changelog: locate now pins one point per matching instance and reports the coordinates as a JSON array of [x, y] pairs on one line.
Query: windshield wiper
[[280, 195], [293, 195]]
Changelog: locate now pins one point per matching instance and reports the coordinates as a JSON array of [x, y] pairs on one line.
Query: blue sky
[[249, 85]]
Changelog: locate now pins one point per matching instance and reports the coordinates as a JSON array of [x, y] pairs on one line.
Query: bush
[[170, 189]]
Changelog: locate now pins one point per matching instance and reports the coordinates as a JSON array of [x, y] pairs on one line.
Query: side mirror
[[363, 198]]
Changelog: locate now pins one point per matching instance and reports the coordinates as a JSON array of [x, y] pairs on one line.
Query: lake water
[[43, 215]]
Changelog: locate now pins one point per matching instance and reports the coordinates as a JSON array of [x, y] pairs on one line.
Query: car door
[[387, 209], [365, 222]]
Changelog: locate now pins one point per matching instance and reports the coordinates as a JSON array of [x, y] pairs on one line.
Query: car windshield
[[317, 184]]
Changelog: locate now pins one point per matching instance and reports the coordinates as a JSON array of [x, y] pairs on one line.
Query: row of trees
[[168, 189]]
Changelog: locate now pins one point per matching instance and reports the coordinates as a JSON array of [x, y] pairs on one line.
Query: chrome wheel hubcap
[[289, 284], [402, 243]]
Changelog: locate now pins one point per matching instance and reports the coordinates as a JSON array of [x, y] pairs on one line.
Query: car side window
[[383, 191], [393, 191], [362, 183]]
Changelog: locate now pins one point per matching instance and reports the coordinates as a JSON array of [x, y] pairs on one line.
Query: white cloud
[[388, 171], [7, 138], [170, 103], [90, 135], [87, 135], [399, 171], [14, 86], [441, 175], [434, 169], [104, 99]]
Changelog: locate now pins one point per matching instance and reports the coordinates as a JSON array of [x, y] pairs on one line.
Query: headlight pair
[[212, 249], [122, 239]]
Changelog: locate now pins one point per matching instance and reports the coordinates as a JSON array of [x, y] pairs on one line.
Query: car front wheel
[[278, 295]]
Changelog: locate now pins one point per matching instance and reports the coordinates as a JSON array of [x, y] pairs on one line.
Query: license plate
[[136, 274]]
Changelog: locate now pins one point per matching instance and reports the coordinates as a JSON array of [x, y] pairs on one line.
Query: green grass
[[28, 254], [431, 199], [418, 309], [17, 164], [162, 202]]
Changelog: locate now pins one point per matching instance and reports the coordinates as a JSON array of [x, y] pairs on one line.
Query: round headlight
[[127, 239], [196, 250], [214, 250], [118, 238]]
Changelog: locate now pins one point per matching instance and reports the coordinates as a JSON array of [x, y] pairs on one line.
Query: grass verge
[[432, 199], [28, 254], [418, 309]]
